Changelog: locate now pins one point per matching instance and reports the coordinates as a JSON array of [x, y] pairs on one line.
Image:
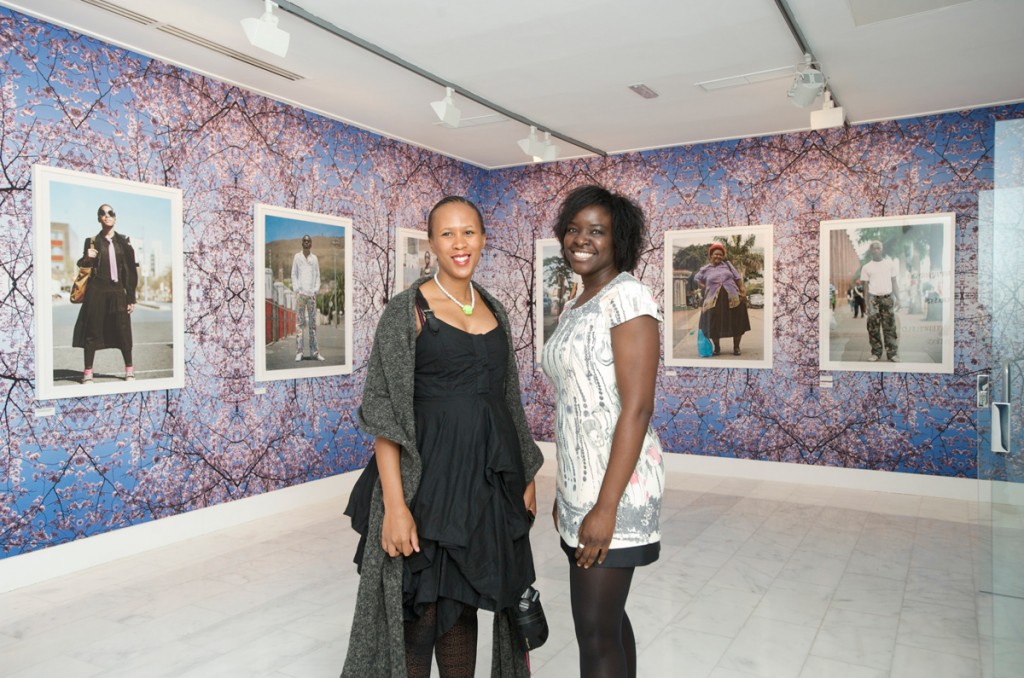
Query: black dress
[[472, 524]]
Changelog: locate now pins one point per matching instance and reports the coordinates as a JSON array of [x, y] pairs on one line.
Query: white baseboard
[[30, 568], [965, 489], [56, 561]]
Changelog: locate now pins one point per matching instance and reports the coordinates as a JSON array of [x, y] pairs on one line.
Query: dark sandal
[[736, 351]]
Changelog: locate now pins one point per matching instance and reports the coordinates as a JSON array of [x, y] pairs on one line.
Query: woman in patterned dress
[[603, 359]]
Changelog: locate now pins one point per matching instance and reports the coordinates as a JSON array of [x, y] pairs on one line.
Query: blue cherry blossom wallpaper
[[100, 463]]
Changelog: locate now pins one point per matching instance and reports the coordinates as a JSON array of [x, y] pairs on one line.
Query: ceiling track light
[[809, 81], [541, 150], [808, 84], [551, 150], [264, 33], [297, 11], [446, 110]]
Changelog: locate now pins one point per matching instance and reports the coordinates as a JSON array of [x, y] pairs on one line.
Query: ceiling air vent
[[121, 11], [228, 52], [644, 91]]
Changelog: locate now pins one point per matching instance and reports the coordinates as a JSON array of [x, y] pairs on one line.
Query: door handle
[[1001, 428]]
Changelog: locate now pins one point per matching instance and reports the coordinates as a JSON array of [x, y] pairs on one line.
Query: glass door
[[1000, 414]]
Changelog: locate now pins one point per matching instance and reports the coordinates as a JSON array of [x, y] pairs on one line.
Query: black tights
[[456, 649], [90, 356], [603, 631]]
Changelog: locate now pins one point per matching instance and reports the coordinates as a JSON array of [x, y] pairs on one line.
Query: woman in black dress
[[104, 321], [456, 495]]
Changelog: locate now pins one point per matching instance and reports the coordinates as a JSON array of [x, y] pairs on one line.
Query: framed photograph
[[718, 285], [413, 257], [554, 287], [886, 294], [303, 290], [127, 332]]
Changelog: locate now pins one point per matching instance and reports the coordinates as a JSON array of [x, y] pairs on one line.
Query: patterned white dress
[[578, 360]]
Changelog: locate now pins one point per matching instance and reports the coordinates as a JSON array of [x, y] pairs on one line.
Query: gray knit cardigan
[[377, 643]]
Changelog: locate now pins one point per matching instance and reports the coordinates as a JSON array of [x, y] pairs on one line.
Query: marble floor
[[756, 578]]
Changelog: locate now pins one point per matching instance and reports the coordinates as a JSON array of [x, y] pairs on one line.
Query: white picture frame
[[555, 284], [922, 246], [64, 206], [413, 257], [278, 237], [750, 247]]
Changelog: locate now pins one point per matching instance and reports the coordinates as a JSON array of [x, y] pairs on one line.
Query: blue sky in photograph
[[288, 228], [140, 217]]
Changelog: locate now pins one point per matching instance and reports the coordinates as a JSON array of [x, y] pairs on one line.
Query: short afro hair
[[628, 225]]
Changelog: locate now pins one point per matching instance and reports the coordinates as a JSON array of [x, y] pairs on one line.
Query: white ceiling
[[566, 64]]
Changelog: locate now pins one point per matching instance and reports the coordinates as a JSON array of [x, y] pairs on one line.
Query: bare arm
[[398, 534], [635, 354]]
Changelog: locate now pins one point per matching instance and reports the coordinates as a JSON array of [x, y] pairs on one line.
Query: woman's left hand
[[595, 535], [530, 499], [131, 307]]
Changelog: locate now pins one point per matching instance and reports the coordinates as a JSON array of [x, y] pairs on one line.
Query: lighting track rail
[[798, 36], [295, 10]]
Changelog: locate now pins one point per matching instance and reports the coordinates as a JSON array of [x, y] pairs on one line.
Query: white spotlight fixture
[[541, 150], [550, 150], [808, 83], [829, 116], [530, 143], [445, 109], [265, 34]]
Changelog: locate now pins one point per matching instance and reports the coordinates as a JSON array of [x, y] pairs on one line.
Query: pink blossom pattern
[[106, 462]]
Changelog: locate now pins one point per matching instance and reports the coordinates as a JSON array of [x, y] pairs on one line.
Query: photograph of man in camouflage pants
[[880, 286]]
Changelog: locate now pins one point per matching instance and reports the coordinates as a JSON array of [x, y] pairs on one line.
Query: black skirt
[[722, 321], [629, 556]]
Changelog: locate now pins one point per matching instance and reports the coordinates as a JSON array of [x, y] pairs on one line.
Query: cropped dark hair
[[628, 225], [448, 200]]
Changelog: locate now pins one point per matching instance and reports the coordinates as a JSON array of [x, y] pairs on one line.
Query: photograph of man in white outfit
[[306, 285]]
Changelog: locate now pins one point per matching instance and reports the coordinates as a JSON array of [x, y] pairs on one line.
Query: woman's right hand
[[398, 535]]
